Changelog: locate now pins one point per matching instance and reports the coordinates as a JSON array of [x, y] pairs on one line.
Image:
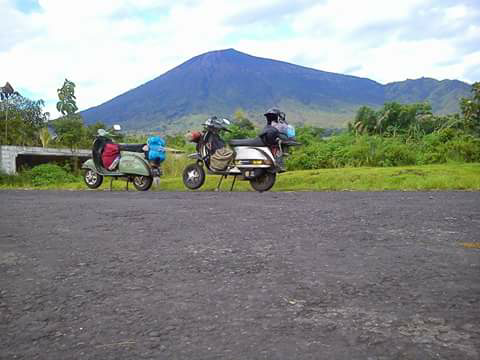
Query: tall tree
[[6, 92], [66, 104]]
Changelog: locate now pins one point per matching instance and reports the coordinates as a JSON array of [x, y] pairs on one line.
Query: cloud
[[267, 11], [108, 47]]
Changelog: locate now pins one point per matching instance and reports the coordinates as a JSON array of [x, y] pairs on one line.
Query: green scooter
[[132, 167]]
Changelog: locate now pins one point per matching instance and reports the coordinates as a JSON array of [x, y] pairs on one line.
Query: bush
[[349, 150], [50, 174]]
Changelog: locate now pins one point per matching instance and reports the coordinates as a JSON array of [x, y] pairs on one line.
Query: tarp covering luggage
[[156, 149]]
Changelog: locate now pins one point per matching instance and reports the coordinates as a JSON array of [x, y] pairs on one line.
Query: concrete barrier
[[9, 154]]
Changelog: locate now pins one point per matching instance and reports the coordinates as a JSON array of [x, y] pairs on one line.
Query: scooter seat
[[247, 142]]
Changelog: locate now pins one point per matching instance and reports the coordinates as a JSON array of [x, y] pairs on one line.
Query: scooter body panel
[[132, 163], [252, 153]]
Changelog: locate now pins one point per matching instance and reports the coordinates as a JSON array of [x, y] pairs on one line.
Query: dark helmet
[[274, 114]]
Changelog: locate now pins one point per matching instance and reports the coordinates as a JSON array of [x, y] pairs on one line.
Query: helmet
[[274, 114], [103, 133], [272, 111], [216, 123]]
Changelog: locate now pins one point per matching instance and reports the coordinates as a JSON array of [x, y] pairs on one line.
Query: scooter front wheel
[[263, 182], [193, 176], [142, 183], [92, 179]]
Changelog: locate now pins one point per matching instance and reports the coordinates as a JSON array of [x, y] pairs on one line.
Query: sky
[[110, 46]]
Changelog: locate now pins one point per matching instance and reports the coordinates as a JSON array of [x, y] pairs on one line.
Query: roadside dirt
[[101, 275]]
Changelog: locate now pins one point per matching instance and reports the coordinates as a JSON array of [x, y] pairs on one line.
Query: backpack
[[285, 129], [156, 149]]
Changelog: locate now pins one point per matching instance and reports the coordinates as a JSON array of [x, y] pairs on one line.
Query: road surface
[[330, 275]]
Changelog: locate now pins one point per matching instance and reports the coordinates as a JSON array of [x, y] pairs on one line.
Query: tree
[[70, 130], [471, 110], [6, 92], [390, 120], [241, 120], [25, 117], [308, 134], [66, 104], [242, 127]]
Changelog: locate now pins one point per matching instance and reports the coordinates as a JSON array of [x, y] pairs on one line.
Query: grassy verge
[[427, 177]]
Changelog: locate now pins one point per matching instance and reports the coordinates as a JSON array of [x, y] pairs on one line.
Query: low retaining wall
[[9, 154]]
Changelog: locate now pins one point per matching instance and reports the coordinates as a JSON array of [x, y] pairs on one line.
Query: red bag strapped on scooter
[[110, 152], [193, 136]]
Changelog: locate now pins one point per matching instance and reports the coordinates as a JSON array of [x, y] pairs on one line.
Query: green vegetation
[[429, 177], [350, 150], [395, 135], [24, 122], [50, 174], [44, 175], [450, 176]]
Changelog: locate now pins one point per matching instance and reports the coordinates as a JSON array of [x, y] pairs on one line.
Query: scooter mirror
[[117, 127], [226, 121]]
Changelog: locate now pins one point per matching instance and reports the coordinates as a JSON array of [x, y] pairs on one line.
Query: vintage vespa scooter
[[252, 159], [133, 167]]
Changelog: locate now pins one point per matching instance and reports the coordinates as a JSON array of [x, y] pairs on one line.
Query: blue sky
[[109, 46]]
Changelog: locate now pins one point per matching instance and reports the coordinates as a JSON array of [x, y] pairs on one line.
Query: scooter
[[133, 166], [252, 160]]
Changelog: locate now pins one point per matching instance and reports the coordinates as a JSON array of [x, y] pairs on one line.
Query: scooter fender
[[195, 156], [131, 163], [89, 165]]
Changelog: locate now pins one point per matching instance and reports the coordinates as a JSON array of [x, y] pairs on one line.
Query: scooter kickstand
[[111, 183], [233, 183], [128, 180], [220, 183]]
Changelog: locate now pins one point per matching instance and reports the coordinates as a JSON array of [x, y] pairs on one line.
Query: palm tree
[[44, 136], [365, 120]]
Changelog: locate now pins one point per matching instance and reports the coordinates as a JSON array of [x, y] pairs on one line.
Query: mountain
[[219, 82]]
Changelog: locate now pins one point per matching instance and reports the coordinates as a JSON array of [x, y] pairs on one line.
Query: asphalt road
[[342, 275]]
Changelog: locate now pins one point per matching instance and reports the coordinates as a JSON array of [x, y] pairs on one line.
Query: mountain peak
[[218, 55]]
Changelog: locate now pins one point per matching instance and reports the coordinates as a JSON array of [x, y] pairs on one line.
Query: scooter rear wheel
[[193, 176], [264, 182], [142, 183], [92, 179]]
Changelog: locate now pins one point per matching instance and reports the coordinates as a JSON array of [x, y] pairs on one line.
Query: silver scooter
[[252, 159]]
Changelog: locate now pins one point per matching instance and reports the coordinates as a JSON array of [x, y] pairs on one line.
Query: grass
[[427, 177]]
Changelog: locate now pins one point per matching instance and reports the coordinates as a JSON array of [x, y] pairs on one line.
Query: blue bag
[[156, 149], [290, 131]]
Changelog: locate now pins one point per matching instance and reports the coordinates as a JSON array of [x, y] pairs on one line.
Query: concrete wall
[[8, 155]]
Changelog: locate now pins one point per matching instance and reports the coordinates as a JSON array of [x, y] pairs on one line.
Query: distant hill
[[219, 82]]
